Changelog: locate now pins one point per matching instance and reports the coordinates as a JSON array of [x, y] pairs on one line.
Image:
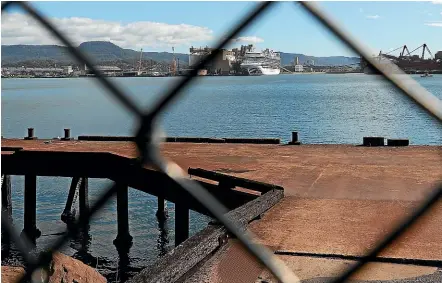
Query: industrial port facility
[[410, 62], [244, 61]]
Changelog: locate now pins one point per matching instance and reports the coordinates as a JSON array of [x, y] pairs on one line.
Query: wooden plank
[[175, 264], [232, 180], [117, 168], [248, 212]]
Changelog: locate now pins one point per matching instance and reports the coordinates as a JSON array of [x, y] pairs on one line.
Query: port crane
[[409, 53], [424, 47], [173, 65], [411, 62]]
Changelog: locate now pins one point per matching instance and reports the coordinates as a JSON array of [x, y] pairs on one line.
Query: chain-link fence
[[147, 141]]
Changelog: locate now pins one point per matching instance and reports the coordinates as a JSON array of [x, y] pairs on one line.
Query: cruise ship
[[267, 62]]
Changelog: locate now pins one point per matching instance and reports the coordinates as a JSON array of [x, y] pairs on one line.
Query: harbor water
[[322, 108]]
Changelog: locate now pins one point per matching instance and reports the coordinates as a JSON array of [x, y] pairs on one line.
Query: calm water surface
[[322, 108]]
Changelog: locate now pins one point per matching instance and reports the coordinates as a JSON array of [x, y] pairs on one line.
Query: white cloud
[[248, 39], [373, 17], [434, 24], [21, 29], [437, 2]]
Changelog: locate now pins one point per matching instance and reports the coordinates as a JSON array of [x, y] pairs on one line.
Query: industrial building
[[297, 66], [36, 72], [106, 70], [221, 65]]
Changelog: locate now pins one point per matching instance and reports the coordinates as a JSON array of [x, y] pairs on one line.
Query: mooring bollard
[[67, 135], [295, 140], [30, 134]]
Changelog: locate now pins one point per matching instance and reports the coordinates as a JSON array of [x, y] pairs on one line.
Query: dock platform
[[338, 201]]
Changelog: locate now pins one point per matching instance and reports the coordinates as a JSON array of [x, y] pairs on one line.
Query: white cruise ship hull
[[259, 70]]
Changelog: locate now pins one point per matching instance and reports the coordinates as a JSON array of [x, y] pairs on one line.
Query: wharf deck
[[316, 171], [339, 199]]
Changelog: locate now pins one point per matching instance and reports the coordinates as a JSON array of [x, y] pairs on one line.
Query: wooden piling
[[124, 239], [67, 215], [84, 197], [181, 223], [30, 208], [6, 196], [162, 212]]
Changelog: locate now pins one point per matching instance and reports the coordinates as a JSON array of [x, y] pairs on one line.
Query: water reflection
[[81, 244], [123, 264]]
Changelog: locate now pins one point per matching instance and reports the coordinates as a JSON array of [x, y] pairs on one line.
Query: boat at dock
[[266, 62]]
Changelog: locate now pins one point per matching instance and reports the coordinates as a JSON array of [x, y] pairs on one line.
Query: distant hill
[[101, 51], [98, 51], [288, 58]]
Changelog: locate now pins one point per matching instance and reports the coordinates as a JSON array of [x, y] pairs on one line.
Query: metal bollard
[[67, 135], [295, 140], [30, 134]]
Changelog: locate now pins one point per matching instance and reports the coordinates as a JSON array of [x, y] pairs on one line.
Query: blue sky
[[157, 26]]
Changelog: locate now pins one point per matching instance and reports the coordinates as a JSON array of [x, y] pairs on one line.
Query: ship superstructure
[[266, 62]]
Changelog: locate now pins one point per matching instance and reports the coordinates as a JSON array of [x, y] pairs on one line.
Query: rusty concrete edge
[[182, 260], [186, 139], [381, 259]]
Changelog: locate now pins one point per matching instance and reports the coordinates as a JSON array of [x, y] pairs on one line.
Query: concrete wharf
[[337, 201]]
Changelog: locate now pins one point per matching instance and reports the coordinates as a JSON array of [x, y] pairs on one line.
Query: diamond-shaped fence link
[[147, 142]]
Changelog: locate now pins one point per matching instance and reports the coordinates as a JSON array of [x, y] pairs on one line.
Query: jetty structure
[[317, 207]]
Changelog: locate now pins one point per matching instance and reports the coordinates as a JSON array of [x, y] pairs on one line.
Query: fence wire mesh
[[147, 141]]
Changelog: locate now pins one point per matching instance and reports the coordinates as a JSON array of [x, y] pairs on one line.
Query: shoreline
[[76, 77]]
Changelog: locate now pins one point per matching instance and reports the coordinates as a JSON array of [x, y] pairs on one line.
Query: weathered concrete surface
[[315, 268], [340, 198], [319, 171], [233, 264], [230, 264], [347, 227]]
